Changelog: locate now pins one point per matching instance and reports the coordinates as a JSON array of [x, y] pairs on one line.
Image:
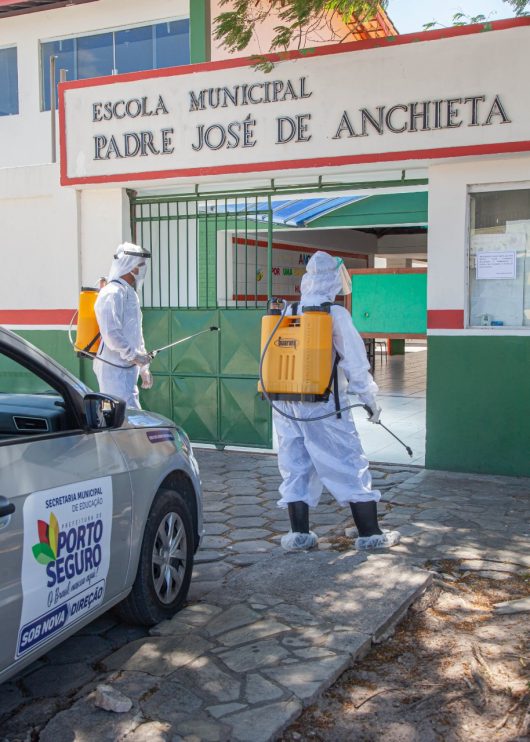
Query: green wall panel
[[389, 302], [200, 355], [394, 208], [240, 347], [156, 335], [53, 342], [195, 406], [159, 397], [245, 417], [478, 404]]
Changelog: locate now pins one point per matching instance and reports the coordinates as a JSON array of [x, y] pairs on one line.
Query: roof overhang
[[20, 7]]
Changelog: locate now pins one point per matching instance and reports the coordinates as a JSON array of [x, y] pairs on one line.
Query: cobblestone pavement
[[265, 633]]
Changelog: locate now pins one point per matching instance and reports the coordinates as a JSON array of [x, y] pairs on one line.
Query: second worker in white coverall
[[122, 356], [328, 452]]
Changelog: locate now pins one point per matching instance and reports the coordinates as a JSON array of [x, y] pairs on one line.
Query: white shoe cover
[[299, 541], [378, 541]]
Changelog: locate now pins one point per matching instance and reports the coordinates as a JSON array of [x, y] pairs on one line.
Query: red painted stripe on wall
[[445, 319], [36, 316]]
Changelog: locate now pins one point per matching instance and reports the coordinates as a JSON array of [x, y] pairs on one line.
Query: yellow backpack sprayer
[[296, 362], [88, 336]]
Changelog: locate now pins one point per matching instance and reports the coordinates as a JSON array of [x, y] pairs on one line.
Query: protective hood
[[127, 257], [322, 281]]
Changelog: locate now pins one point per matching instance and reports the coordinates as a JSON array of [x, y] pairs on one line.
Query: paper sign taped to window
[[491, 265]]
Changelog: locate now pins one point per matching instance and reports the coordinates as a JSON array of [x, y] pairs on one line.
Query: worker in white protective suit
[[122, 355], [329, 452]]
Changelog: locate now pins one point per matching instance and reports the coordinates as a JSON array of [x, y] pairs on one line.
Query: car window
[[28, 404]]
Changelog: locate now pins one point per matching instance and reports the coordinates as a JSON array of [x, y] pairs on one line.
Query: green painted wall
[[199, 31], [395, 208], [389, 302], [478, 404], [53, 342]]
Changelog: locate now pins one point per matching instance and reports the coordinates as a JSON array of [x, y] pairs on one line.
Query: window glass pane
[[134, 49], [499, 268], [64, 51], [8, 82], [94, 56], [172, 47]]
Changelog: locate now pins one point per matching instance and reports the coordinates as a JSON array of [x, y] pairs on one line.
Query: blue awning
[[297, 212]]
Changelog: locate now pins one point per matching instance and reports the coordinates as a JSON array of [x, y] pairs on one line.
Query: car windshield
[[15, 379]]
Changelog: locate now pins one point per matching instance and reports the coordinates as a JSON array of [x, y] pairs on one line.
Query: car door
[[65, 515]]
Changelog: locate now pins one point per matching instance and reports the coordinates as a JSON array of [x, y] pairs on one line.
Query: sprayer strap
[[335, 376], [94, 340]]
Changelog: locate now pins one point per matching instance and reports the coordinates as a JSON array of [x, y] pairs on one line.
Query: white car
[[99, 506]]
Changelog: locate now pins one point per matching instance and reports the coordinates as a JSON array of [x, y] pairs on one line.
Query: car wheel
[[166, 563]]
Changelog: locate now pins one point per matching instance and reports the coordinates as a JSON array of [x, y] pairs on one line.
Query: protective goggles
[[134, 254], [345, 278]]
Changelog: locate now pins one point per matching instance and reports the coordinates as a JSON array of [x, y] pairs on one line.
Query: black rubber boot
[[365, 517], [299, 516]]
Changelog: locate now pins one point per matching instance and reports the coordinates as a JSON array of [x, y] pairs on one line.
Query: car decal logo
[[157, 436], [46, 550]]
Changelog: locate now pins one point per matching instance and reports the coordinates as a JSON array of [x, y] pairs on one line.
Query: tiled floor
[[402, 392]]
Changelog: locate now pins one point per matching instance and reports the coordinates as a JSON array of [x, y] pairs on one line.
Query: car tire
[[165, 565]]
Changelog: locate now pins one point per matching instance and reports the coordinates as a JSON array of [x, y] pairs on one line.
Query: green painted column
[[200, 31], [478, 404]]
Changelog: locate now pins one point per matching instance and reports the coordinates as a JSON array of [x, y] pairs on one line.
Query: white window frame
[[13, 46], [519, 185]]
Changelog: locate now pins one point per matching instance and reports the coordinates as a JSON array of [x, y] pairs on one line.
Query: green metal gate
[[210, 267]]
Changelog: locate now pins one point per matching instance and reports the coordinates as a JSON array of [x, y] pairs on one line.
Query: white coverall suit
[[120, 323], [327, 452]]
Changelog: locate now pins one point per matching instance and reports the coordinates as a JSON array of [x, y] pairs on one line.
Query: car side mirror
[[103, 411]]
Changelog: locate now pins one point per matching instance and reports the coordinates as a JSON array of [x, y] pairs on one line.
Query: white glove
[[142, 359], [147, 377], [376, 413]]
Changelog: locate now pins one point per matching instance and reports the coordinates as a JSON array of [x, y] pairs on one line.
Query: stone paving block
[[171, 702], [246, 534], [209, 555], [210, 543], [308, 679], [35, 714], [241, 499], [254, 656], [258, 689], [241, 511], [206, 679], [192, 615], [135, 685], [199, 589], [253, 547], [232, 618], [244, 560], [250, 522], [263, 723], [252, 632], [151, 731], [223, 709], [89, 723], [214, 506], [209, 571], [293, 615], [216, 517], [202, 729], [158, 656], [215, 529]]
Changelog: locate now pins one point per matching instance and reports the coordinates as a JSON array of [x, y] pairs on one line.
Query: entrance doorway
[[217, 259]]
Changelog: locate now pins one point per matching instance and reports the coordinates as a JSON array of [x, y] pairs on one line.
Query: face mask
[[139, 277], [345, 278]]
